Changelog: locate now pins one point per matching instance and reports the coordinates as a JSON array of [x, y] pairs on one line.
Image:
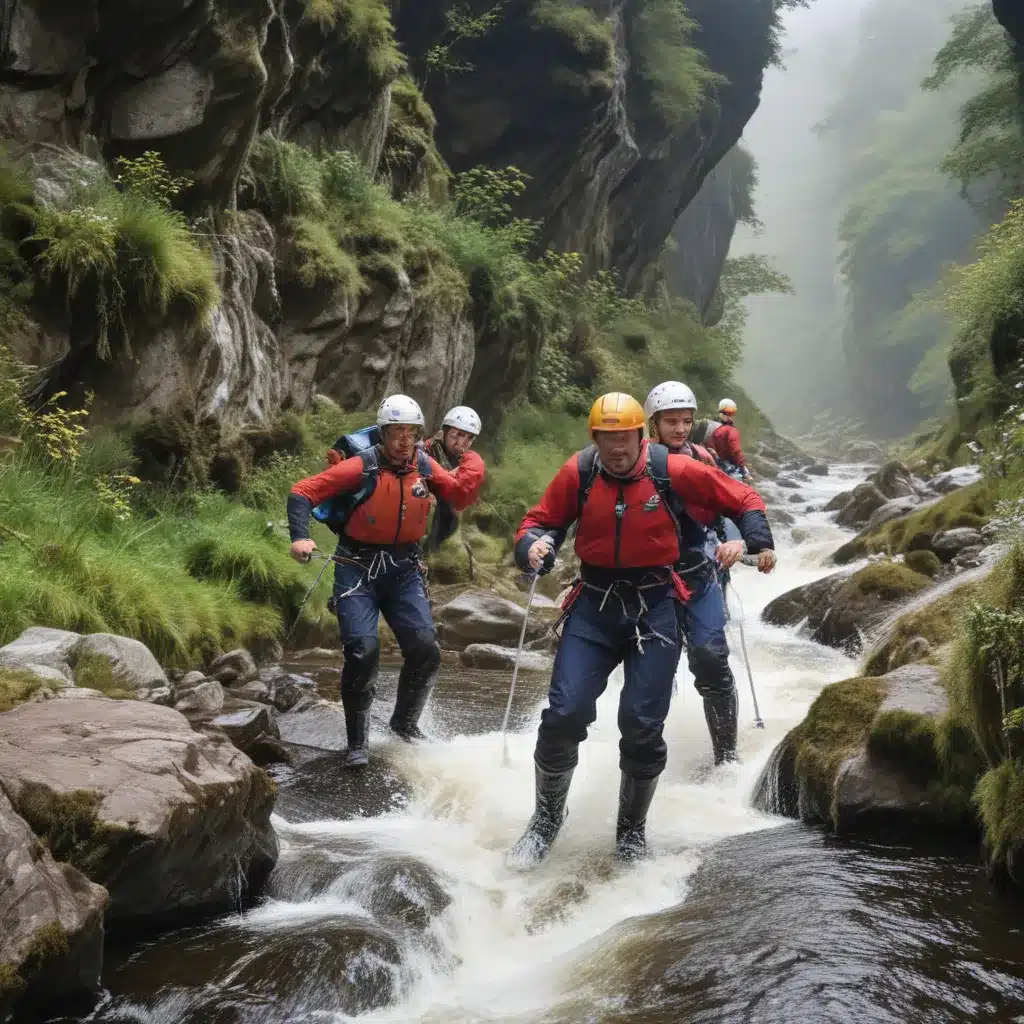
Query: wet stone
[[276, 966]]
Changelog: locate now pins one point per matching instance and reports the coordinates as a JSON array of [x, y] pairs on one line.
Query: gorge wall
[[610, 172]]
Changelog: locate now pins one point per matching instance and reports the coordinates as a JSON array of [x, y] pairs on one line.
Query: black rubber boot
[[635, 797], [357, 754], [721, 712], [533, 845], [409, 705]]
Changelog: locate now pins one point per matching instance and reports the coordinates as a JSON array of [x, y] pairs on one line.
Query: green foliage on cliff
[[368, 24], [991, 141], [115, 254], [671, 74]]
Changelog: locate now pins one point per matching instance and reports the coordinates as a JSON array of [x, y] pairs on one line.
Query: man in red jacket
[[635, 541], [377, 565], [670, 408], [725, 440]]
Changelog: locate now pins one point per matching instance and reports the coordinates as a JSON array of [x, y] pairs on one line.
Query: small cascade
[[776, 790]]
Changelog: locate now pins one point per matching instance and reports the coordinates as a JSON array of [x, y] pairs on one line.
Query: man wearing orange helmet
[[633, 535]]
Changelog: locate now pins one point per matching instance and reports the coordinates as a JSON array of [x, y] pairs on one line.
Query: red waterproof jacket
[[726, 442], [645, 534]]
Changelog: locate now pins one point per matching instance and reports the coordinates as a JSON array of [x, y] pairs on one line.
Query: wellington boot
[[533, 845], [357, 754], [409, 705], [721, 712], [635, 797]]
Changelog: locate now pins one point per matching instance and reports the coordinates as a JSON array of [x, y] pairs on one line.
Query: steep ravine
[[197, 81]]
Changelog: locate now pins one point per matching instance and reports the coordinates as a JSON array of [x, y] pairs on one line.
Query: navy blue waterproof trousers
[[703, 621], [363, 591], [594, 642]]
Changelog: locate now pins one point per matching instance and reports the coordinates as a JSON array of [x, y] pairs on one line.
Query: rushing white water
[[506, 948]]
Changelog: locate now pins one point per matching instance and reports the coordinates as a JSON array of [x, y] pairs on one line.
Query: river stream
[[391, 901]]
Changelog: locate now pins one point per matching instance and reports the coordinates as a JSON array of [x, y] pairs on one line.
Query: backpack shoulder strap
[[657, 470], [368, 482], [586, 464]]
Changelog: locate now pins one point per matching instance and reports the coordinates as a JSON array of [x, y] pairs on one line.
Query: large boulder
[[251, 729], [894, 508], [170, 821], [40, 645], [954, 479], [482, 617], [947, 544], [116, 662], [864, 600], [864, 501], [865, 760], [493, 656], [890, 783], [838, 502], [894, 480], [809, 603], [51, 921], [128, 663]]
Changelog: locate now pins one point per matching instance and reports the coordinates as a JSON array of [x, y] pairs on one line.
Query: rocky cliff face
[[1011, 17], [197, 80], [700, 240], [607, 180]]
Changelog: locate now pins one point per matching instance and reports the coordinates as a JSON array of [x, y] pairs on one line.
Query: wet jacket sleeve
[[460, 492], [727, 441], [551, 517], [716, 491], [703, 455], [469, 478], [342, 478]]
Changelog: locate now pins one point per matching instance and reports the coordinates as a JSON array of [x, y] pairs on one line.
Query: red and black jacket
[[624, 524]]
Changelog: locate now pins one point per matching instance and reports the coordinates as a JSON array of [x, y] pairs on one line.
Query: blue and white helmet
[[399, 409]]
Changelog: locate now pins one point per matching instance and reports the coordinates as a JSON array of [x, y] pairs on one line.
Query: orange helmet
[[617, 411]]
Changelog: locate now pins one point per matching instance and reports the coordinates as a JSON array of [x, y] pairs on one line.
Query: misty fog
[[857, 213]]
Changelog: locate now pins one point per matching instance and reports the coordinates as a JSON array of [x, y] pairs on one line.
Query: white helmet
[[399, 409], [727, 405], [463, 418], [672, 394]]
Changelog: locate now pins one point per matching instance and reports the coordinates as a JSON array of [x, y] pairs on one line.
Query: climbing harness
[[506, 760]]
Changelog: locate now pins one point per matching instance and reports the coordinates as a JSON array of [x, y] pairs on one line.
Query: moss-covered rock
[[869, 759], [970, 507], [20, 685], [864, 599], [937, 622], [51, 942], [924, 562]]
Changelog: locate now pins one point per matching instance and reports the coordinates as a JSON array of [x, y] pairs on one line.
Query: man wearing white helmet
[[670, 409], [452, 448], [723, 438], [378, 502]]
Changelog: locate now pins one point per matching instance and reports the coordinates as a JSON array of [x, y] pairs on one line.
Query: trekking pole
[[758, 721], [298, 615], [506, 760]]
